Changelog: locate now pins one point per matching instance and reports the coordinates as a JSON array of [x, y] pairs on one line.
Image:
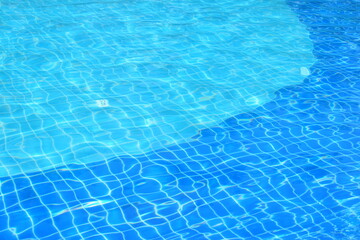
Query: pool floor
[[288, 169]]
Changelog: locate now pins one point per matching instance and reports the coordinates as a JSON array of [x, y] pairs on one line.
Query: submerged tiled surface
[[85, 81], [288, 170]]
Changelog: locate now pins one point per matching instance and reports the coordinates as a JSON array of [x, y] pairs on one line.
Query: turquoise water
[[82, 82], [284, 166]]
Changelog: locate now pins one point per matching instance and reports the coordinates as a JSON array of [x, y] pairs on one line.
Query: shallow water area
[[86, 81]]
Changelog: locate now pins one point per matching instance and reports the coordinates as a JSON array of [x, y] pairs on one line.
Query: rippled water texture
[[84, 81]]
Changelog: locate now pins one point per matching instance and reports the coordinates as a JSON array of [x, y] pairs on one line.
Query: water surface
[[85, 81]]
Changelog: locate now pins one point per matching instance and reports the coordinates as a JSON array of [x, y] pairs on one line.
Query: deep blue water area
[[289, 169]]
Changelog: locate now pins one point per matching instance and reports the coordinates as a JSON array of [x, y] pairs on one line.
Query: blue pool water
[[88, 83], [282, 165]]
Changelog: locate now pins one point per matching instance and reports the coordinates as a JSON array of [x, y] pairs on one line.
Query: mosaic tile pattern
[[287, 170], [84, 82]]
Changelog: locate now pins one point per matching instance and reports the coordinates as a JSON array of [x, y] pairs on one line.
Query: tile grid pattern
[[288, 170], [84, 84]]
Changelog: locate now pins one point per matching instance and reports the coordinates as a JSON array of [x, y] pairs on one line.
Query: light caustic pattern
[[84, 81], [287, 170]]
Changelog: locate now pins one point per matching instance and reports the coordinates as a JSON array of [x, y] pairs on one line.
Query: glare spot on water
[[149, 122], [304, 71], [253, 101], [102, 103]]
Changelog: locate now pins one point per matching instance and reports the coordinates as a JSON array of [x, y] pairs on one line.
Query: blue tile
[[287, 169]]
